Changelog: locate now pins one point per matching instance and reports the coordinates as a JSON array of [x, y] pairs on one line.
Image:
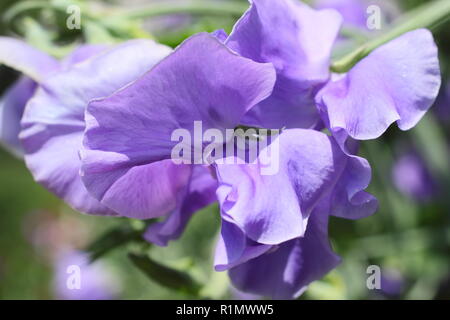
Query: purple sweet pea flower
[[261, 233], [298, 41], [411, 177], [393, 283], [36, 66], [397, 82], [77, 279], [355, 13], [53, 123], [127, 147]]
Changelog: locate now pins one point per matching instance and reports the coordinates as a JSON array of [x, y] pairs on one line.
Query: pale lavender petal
[[234, 248], [399, 81], [134, 126], [33, 63], [353, 11], [199, 193], [298, 41], [53, 123], [286, 271]]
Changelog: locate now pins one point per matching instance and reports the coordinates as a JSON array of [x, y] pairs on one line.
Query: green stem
[[426, 16], [202, 7], [191, 7]]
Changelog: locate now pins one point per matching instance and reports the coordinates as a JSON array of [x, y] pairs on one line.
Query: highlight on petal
[[399, 81], [285, 271], [82, 53], [298, 41], [311, 168], [199, 193], [202, 80], [53, 122], [22, 57]]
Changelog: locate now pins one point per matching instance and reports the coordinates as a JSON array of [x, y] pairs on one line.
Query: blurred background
[[409, 236]]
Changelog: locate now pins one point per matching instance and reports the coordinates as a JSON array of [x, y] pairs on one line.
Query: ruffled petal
[[309, 168], [399, 81], [298, 41], [286, 271], [201, 81], [53, 123], [235, 248]]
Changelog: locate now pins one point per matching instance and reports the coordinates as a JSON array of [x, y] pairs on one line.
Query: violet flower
[[298, 41], [76, 278], [53, 124], [412, 178], [279, 222], [35, 67], [127, 147], [398, 82], [355, 12]]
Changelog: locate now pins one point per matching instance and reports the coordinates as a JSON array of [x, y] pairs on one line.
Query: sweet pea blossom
[[53, 122], [412, 177], [76, 278], [127, 144], [398, 82], [35, 67], [298, 41], [279, 222], [118, 110]]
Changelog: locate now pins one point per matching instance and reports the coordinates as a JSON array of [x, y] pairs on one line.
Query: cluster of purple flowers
[[96, 128]]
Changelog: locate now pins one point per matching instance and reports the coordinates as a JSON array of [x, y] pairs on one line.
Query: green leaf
[[164, 275], [113, 239]]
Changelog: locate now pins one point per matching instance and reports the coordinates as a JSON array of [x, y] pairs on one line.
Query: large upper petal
[[202, 80], [22, 57], [309, 167], [298, 41], [285, 271], [53, 123], [399, 81]]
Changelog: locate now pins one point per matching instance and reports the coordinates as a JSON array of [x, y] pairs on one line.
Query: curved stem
[[191, 7], [427, 16]]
